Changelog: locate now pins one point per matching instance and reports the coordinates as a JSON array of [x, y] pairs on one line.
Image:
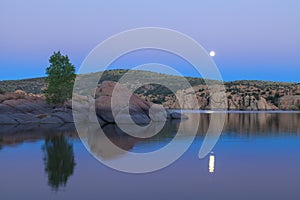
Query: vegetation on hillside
[[271, 91], [32, 85], [2, 91]]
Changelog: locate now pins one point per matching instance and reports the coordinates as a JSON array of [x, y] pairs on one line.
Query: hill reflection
[[247, 124], [244, 124]]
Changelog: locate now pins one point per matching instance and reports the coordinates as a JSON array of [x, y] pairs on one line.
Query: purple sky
[[257, 39]]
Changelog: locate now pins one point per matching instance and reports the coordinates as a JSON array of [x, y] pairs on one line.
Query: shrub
[[2, 91]]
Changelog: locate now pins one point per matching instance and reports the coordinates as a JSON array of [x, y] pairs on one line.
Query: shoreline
[[235, 111], [68, 116]]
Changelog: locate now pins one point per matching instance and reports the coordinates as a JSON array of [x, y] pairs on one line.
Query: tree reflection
[[59, 160]]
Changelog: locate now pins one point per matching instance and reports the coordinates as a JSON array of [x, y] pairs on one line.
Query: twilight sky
[[257, 39]]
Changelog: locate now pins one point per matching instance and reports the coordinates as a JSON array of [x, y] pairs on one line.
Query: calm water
[[257, 157]]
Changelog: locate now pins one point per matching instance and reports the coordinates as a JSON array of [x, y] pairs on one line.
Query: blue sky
[[257, 39]]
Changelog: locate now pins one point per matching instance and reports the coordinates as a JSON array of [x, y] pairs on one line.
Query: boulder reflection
[[59, 160], [101, 147], [100, 140]]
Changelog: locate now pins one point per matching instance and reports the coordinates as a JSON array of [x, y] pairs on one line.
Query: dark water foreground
[[257, 157]]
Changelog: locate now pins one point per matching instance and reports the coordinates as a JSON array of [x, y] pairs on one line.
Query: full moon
[[212, 53]]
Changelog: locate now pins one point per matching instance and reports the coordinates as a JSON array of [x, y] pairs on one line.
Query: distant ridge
[[35, 85]]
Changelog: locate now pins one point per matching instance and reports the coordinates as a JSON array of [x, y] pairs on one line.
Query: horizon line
[[188, 76]]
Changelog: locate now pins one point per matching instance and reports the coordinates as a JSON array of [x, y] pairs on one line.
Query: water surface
[[256, 157]]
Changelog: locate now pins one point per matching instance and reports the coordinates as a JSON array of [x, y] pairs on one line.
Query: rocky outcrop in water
[[140, 110], [21, 108]]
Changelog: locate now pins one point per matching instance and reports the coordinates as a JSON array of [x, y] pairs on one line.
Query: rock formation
[[20, 108], [140, 110], [290, 102], [239, 98]]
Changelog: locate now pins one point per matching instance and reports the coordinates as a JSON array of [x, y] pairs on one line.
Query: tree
[[60, 80]]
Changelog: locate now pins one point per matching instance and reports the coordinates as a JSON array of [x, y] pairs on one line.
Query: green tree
[[60, 80]]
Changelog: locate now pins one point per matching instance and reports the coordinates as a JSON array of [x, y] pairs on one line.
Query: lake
[[256, 157]]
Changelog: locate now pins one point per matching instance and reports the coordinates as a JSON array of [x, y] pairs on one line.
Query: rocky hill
[[33, 85], [244, 97], [241, 95]]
